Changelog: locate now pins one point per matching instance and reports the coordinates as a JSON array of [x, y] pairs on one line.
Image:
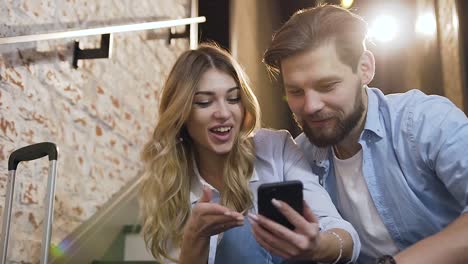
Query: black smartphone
[[289, 192]]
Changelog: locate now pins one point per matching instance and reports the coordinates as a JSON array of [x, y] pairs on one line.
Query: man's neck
[[349, 146], [346, 151]]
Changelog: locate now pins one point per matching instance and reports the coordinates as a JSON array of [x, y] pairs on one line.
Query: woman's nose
[[222, 111]]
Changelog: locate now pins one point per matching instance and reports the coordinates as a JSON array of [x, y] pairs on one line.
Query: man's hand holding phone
[[299, 243]]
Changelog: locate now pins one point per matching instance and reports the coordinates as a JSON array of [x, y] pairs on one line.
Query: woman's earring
[[158, 146]]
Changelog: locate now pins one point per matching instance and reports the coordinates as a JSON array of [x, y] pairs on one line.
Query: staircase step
[[124, 262], [131, 229]]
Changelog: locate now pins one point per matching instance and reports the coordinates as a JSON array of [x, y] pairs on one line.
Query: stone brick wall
[[99, 114]]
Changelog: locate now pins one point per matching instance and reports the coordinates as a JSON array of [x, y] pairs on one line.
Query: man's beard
[[327, 137]]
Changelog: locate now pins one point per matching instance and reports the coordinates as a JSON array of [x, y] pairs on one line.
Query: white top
[[352, 195]]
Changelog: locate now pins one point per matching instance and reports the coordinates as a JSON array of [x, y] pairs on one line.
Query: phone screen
[[289, 192]]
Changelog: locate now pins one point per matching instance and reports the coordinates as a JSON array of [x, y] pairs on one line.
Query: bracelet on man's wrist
[[340, 254]]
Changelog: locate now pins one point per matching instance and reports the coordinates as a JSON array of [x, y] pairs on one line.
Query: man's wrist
[[386, 259], [340, 253], [330, 248]]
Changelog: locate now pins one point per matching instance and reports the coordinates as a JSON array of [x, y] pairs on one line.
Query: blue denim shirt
[[278, 158], [415, 163]]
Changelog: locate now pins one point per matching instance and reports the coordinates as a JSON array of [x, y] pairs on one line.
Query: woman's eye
[[202, 104], [234, 100]]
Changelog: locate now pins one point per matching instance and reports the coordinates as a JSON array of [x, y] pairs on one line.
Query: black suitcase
[[27, 153]]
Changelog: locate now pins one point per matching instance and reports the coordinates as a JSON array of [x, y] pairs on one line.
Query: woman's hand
[[207, 218]]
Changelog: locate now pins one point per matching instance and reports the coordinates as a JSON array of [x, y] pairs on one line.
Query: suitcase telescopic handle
[[32, 152], [28, 153]]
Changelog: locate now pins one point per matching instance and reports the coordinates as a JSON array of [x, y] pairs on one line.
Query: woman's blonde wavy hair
[[168, 155]]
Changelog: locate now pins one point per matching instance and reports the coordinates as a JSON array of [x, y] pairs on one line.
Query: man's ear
[[366, 67]]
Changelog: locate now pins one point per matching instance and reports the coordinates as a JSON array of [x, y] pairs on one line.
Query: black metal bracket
[[102, 52], [185, 34]]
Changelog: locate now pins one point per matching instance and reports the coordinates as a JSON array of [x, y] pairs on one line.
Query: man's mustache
[[317, 117]]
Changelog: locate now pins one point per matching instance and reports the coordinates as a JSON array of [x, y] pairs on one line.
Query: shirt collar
[[196, 186], [372, 119]]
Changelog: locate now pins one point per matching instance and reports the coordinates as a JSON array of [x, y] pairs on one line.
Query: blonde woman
[[204, 163]]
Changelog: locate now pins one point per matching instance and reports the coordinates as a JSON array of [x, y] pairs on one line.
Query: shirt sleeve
[[440, 137], [297, 168]]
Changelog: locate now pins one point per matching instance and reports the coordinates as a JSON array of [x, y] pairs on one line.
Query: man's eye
[[329, 86], [295, 92]]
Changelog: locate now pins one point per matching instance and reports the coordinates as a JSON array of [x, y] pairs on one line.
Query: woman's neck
[[211, 169]]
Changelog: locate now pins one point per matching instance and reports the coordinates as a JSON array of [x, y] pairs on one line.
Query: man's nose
[[313, 102]]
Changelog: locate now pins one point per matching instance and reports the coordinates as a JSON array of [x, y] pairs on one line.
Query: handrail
[[103, 30]]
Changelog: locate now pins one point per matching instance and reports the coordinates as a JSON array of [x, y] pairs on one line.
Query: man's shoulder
[[302, 139], [312, 152], [305, 143], [268, 140], [411, 105], [274, 146], [267, 134], [419, 109], [415, 99]]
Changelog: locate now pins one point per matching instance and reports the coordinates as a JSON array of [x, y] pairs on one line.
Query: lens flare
[[384, 29]]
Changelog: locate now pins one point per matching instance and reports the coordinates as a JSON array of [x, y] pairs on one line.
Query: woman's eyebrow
[[204, 93], [212, 93], [233, 89]]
